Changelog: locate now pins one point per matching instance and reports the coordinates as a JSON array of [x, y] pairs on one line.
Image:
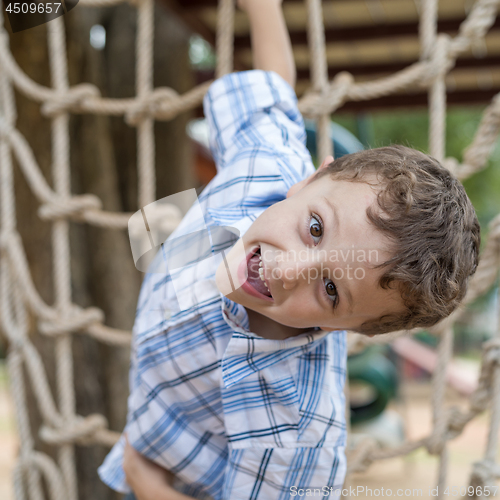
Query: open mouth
[[256, 274]]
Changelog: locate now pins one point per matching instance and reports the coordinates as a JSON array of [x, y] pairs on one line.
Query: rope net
[[62, 427]]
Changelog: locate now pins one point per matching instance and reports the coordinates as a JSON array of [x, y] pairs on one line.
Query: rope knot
[[70, 100], [476, 25], [163, 97], [441, 60], [456, 421], [74, 320], [59, 208], [81, 430], [484, 473], [339, 90], [316, 103], [436, 442]]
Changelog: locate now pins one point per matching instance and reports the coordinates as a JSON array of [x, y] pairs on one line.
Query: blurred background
[[389, 385]]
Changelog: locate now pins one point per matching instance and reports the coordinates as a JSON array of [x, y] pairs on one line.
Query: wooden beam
[[332, 35], [372, 69], [184, 9], [196, 4], [466, 97], [356, 33], [190, 18], [389, 68]]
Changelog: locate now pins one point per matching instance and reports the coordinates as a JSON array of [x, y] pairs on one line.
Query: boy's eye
[[331, 291], [315, 228]]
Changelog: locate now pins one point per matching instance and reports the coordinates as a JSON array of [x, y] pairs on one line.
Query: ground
[[416, 471], [419, 469]]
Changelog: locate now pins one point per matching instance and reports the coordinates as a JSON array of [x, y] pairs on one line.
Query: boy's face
[[317, 251]]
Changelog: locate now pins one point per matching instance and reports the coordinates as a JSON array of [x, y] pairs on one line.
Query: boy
[[241, 395]]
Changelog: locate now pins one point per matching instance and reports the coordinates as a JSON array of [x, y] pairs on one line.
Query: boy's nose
[[288, 282]]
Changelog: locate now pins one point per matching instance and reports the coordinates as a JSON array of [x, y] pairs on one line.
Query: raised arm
[[271, 46]]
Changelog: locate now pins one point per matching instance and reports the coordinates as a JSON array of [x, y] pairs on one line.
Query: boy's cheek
[[232, 270]]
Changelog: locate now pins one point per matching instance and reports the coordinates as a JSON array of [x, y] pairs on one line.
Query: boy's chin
[[327, 328]]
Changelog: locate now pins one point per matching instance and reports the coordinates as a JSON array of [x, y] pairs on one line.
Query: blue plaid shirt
[[231, 414]]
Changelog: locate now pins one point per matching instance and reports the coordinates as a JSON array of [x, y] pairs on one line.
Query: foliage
[[410, 128], [201, 54]]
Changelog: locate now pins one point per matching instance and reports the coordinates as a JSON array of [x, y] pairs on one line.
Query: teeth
[[261, 272], [261, 275]]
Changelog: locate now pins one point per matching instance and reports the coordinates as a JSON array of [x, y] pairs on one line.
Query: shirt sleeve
[[256, 111], [257, 138], [111, 471]]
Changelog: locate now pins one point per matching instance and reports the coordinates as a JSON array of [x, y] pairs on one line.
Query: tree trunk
[[103, 162]]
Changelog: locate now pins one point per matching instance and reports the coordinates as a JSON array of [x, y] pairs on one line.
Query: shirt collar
[[247, 353]]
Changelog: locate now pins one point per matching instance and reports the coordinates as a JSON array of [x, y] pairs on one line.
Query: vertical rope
[[437, 92], [61, 250], [486, 471], [144, 86], [224, 40], [18, 482], [15, 328], [7, 203], [439, 417], [442, 471], [494, 431], [319, 73], [437, 118], [427, 28], [27, 444]]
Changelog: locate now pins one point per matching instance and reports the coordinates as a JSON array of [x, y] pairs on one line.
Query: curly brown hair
[[432, 224]]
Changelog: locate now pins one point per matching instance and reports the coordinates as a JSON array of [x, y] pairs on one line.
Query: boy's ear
[[299, 185], [325, 163]]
